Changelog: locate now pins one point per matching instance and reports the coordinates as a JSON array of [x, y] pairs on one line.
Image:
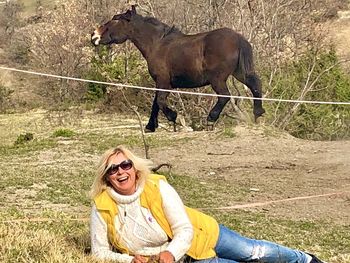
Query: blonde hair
[[141, 166]]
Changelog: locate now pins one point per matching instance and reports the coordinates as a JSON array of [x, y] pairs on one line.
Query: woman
[[137, 215]]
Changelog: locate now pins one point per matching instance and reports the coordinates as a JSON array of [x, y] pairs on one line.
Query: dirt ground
[[271, 166]]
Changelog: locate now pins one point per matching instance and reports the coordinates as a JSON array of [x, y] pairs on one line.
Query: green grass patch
[[67, 133], [28, 147], [228, 132], [67, 187], [198, 193]]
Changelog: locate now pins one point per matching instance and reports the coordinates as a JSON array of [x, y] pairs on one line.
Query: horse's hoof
[[210, 125], [258, 112], [211, 119], [148, 129], [257, 119], [213, 116]]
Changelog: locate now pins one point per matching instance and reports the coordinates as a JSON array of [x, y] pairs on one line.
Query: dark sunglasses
[[125, 165]]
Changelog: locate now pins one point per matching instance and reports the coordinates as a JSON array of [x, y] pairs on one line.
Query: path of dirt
[[273, 166]]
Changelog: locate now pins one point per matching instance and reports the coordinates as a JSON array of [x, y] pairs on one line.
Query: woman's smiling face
[[123, 181]]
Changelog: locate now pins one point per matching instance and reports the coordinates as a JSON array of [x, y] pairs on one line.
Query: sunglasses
[[125, 165]]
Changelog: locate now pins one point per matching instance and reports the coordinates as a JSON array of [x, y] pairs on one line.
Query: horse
[[178, 60]]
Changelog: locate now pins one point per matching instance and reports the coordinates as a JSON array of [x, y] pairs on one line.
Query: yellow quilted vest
[[206, 229]]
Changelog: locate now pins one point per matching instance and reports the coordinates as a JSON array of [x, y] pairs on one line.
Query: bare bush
[[57, 44], [10, 18]]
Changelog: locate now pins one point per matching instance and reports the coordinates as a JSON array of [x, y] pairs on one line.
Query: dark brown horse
[[176, 60]]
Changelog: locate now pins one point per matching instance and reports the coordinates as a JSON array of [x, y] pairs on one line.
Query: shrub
[[122, 68], [5, 100], [119, 66], [312, 121], [24, 138]]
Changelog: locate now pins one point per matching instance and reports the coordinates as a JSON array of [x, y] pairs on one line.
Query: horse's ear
[[133, 9], [116, 17], [126, 16]]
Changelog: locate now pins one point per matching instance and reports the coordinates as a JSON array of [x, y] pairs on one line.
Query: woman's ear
[[106, 179]]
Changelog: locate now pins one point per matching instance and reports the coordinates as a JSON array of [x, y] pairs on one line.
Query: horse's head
[[114, 31]]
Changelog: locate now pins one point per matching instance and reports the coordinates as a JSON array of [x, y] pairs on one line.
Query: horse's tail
[[245, 63]]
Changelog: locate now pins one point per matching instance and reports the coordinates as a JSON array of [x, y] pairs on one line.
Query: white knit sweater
[[138, 229]]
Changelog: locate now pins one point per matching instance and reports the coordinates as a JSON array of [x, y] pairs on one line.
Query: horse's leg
[[220, 87], [153, 119], [169, 113], [253, 82]]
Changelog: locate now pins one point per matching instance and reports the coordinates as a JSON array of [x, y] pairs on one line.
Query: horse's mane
[[167, 29]]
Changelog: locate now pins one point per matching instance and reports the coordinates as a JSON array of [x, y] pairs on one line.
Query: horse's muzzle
[[95, 39]]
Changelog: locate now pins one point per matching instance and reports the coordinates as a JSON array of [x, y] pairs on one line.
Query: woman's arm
[[100, 247], [179, 222]]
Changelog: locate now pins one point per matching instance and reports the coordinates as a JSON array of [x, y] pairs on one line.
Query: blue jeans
[[233, 248]]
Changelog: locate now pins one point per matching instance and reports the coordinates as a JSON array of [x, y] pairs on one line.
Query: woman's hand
[[166, 257], [139, 259]]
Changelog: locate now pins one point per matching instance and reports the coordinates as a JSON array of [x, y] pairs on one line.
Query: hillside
[[30, 5], [340, 34]]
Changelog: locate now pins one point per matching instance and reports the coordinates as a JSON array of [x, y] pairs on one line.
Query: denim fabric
[[233, 248]]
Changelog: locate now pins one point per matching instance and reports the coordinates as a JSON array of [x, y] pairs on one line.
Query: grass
[[31, 5], [211, 192], [27, 147], [296, 234], [95, 143], [48, 179], [44, 242], [258, 225]]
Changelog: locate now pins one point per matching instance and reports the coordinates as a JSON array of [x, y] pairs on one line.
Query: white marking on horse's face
[[96, 38]]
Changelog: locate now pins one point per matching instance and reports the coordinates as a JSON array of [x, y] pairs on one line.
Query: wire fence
[[172, 91]]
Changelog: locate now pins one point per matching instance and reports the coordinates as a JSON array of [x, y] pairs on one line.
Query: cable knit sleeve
[[179, 222], [99, 242]]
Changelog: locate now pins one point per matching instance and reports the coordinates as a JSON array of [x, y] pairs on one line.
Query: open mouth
[[123, 179]]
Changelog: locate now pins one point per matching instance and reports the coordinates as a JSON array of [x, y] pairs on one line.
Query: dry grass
[[38, 243]]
